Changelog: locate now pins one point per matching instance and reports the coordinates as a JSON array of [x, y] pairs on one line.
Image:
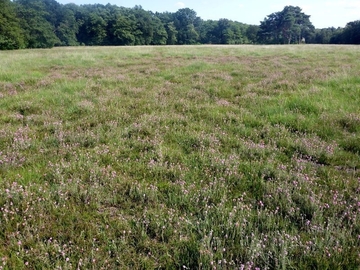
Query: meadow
[[180, 157]]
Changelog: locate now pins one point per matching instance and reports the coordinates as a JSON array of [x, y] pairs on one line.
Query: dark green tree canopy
[[11, 34], [351, 33], [288, 26], [185, 21], [46, 23], [36, 21]]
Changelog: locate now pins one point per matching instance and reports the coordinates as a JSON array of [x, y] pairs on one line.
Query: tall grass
[[192, 157]]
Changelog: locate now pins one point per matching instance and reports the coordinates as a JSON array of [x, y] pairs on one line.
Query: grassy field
[[199, 157]]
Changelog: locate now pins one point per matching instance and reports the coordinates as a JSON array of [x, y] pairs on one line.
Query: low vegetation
[[189, 157]]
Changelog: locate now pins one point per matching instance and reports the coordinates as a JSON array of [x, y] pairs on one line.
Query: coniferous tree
[[287, 26]]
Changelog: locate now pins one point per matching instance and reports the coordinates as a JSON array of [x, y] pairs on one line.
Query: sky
[[324, 13]]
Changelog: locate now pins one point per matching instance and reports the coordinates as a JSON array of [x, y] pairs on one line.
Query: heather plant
[[192, 157]]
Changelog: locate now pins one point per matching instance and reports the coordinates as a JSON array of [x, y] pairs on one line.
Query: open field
[[198, 157]]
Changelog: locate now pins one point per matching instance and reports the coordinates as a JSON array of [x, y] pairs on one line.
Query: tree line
[[46, 23]]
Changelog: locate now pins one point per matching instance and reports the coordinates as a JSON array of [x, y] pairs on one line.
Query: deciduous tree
[[11, 34], [39, 32], [185, 20]]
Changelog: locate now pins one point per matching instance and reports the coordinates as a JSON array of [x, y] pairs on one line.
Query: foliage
[[287, 26], [349, 35], [325, 35], [46, 23], [185, 21], [10, 30], [67, 27], [35, 21]]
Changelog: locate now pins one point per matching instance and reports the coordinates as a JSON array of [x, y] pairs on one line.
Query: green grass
[[182, 157]]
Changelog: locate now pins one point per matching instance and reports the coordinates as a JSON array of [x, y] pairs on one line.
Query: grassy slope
[[164, 157]]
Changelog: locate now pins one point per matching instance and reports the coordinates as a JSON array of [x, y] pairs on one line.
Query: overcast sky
[[324, 13]]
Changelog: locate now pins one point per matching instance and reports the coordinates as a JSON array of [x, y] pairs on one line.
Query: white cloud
[[306, 8], [355, 5], [344, 4], [180, 5]]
